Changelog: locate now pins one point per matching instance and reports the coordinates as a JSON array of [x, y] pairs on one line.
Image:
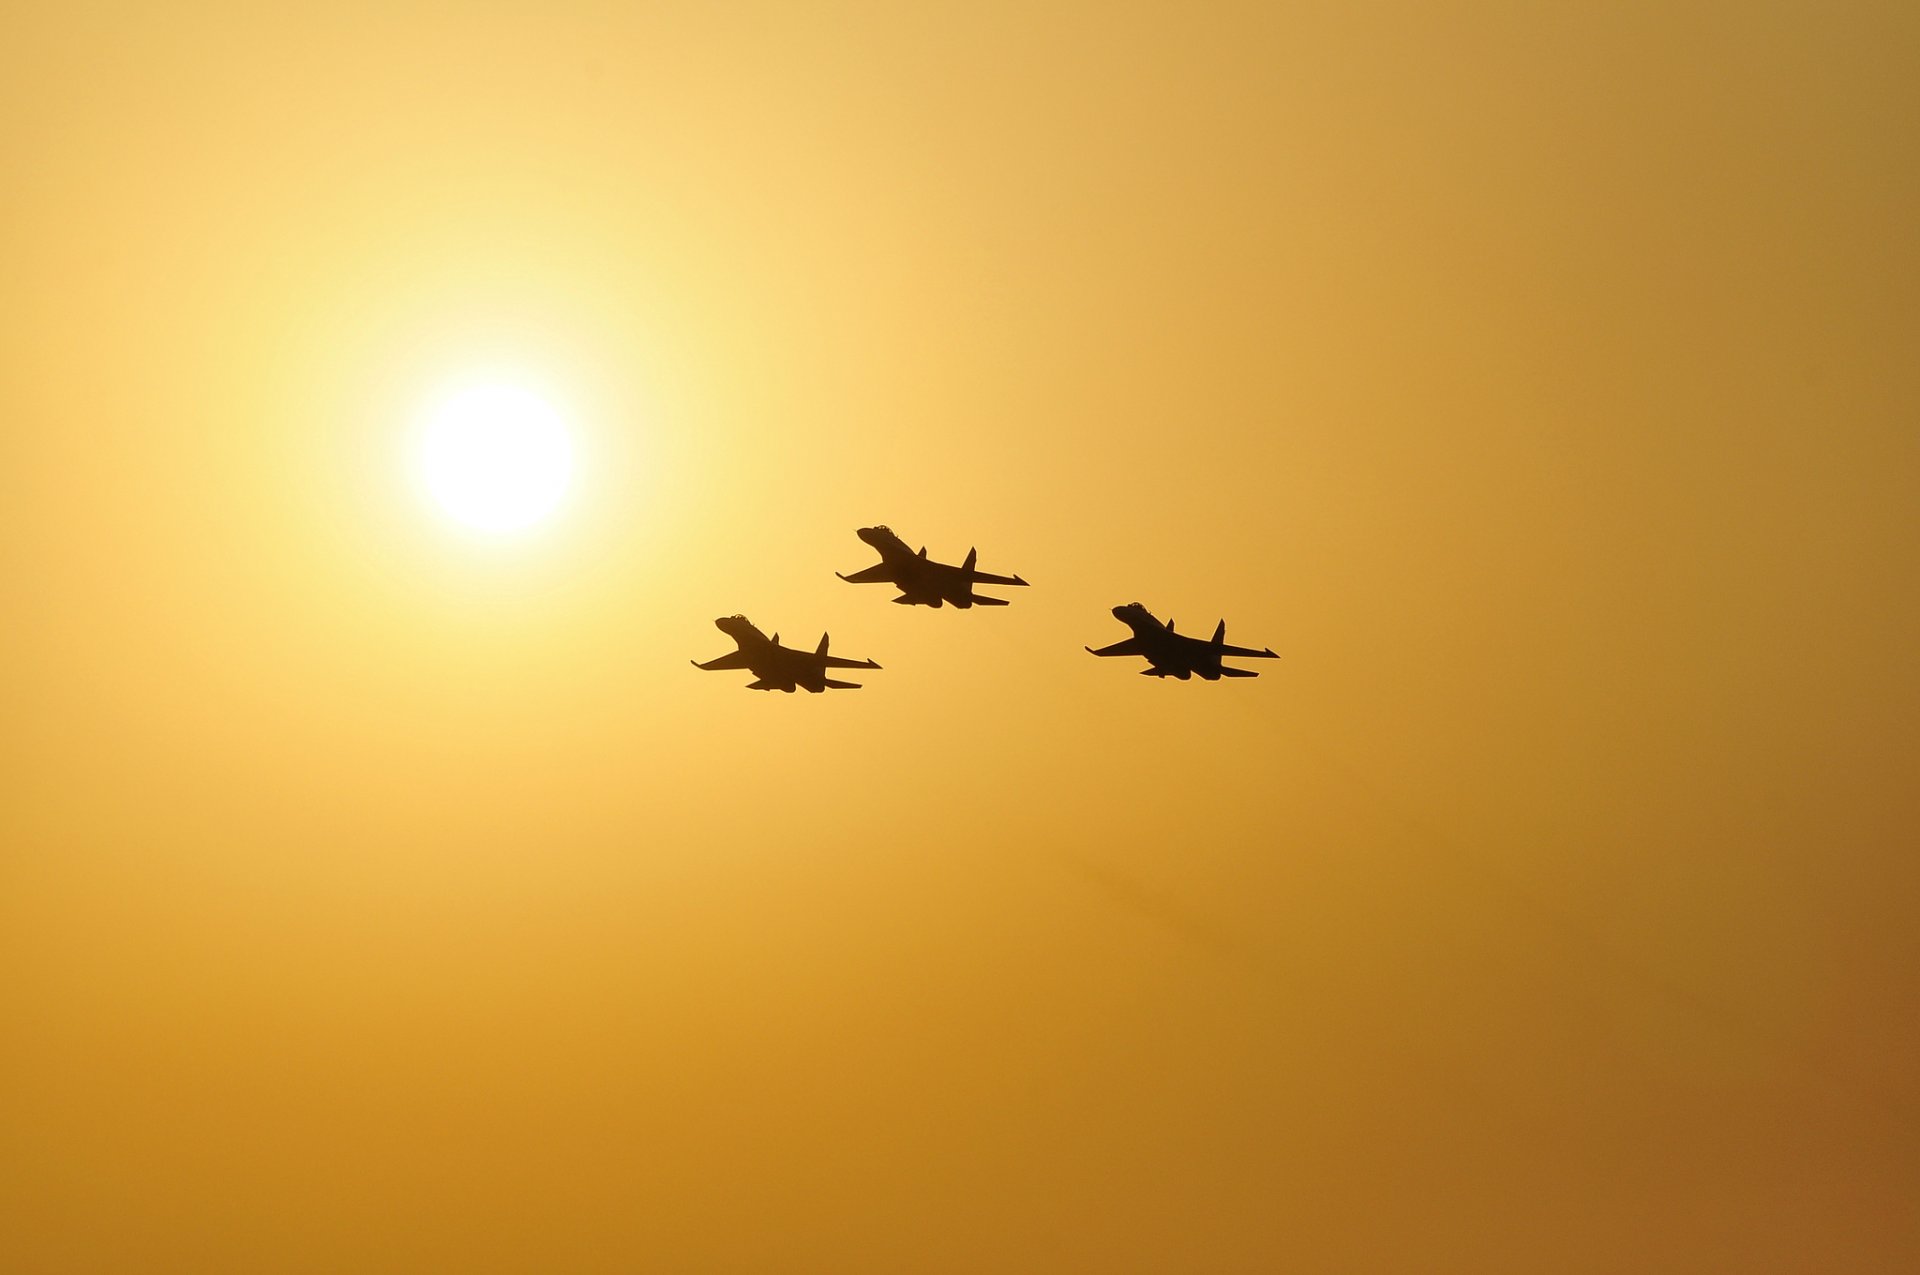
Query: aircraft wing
[[878, 573], [835, 661], [1246, 651], [987, 577], [1125, 646], [733, 659]]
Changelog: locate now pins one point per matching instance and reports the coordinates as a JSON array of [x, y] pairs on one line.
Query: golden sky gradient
[[1538, 380]]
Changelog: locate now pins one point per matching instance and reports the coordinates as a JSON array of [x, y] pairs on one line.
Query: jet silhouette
[[776, 667], [922, 581], [1171, 654]]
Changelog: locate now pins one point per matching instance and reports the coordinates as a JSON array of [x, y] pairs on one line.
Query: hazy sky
[[1538, 380]]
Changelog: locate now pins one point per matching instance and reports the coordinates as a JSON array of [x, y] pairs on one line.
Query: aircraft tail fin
[[822, 648], [967, 566], [1220, 634]]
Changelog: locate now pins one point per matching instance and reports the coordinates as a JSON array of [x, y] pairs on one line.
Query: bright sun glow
[[495, 457]]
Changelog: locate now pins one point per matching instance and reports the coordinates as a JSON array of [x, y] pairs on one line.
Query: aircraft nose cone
[[1120, 613]]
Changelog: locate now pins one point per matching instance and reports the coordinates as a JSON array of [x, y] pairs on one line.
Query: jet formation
[[924, 582]]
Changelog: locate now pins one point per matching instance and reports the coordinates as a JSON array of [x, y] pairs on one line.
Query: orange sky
[[1540, 384]]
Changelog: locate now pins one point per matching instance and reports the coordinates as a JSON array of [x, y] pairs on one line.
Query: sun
[[494, 456]]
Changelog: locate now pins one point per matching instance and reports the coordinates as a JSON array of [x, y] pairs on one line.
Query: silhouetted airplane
[[1171, 654], [776, 667], [921, 580]]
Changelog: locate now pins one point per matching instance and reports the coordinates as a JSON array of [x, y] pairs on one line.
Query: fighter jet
[[922, 581], [1171, 654], [776, 667]]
